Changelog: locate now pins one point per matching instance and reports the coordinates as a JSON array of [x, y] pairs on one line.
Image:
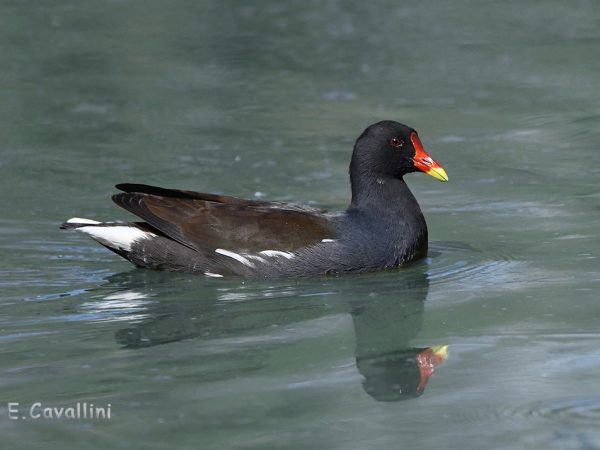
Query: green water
[[265, 99]]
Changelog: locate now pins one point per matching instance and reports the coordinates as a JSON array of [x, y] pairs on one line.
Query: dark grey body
[[367, 238]]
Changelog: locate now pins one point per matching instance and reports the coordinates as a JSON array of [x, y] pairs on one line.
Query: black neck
[[383, 194], [387, 205]]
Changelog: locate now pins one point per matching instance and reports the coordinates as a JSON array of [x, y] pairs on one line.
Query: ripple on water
[[578, 410], [455, 262]]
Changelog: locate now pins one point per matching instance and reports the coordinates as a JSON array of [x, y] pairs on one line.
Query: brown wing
[[208, 221]]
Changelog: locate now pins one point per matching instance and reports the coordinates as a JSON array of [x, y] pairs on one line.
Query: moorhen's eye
[[396, 142]]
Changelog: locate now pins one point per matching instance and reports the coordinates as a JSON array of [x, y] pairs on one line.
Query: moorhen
[[216, 235]]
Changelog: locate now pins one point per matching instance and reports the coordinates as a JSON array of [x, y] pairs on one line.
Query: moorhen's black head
[[391, 149]]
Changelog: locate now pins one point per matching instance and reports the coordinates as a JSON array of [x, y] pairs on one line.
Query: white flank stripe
[[257, 258], [327, 240], [235, 256], [215, 275], [287, 255], [80, 220], [121, 236]]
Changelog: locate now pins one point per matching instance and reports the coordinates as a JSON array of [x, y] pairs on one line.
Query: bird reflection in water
[[384, 325], [392, 369]]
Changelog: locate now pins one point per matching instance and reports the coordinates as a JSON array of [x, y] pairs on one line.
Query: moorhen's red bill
[[216, 235]]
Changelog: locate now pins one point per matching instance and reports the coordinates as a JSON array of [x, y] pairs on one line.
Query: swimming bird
[[220, 236]]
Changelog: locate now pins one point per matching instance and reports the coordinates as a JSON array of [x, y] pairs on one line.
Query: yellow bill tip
[[438, 173], [441, 350]]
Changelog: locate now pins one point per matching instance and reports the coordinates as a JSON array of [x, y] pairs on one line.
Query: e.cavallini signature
[[78, 411]]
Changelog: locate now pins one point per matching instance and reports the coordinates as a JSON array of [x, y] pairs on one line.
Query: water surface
[[266, 101]]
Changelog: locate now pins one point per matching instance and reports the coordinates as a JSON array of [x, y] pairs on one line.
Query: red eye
[[396, 142]]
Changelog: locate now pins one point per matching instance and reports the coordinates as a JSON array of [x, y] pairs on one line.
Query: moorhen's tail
[[119, 237], [140, 244]]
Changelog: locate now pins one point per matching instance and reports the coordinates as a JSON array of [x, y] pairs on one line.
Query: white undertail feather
[[82, 221], [120, 237]]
